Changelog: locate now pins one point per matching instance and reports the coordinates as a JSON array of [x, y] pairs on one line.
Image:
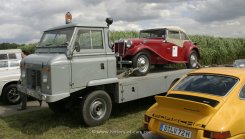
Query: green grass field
[[125, 122]]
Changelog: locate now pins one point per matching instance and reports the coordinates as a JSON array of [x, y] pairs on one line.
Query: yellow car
[[206, 103]]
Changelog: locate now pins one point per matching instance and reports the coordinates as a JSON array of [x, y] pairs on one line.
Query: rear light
[[145, 126], [146, 122], [217, 135], [147, 119]]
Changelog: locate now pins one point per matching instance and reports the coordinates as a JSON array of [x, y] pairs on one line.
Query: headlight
[[129, 43], [23, 74], [45, 78]]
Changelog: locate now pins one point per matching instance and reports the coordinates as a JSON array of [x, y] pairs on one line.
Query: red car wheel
[[142, 62]]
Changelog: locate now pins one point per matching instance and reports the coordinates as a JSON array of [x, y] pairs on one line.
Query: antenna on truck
[[109, 21]]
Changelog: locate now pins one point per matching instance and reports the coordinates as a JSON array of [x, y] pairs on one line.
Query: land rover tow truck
[[73, 65]]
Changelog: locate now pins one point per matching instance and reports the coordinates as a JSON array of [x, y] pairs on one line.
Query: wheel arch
[[141, 48], [7, 84], [108, 88], [189, 52]]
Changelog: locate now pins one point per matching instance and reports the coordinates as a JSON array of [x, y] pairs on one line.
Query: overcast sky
[[23, 21]]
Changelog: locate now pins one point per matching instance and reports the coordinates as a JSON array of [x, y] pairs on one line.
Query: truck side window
[[84, 39], [96, 36], [3, 57], [90, 39], [12, 56]]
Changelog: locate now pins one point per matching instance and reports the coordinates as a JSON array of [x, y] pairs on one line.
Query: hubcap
[[193, 60], [142, 64], [98, 109], [13, 95]]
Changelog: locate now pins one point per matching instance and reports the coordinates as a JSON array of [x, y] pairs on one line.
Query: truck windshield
[[152, 33], [56, 38], [208, 84]]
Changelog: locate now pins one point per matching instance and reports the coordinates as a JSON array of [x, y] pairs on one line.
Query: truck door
[[91, 62]]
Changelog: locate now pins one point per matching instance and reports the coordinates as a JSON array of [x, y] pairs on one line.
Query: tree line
[[26, 48]]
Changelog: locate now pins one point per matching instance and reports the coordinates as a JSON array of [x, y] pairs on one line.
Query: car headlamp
[[129, 43]]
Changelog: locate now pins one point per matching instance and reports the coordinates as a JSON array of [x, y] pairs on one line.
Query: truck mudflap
[[41, 96]]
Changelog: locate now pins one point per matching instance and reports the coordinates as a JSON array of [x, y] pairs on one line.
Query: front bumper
[[41, 96], [120, 61]]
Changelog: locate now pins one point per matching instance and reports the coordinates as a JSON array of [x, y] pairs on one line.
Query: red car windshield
[[208, 84], [152, 33]]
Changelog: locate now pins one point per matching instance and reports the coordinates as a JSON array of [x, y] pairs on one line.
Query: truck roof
[[91, 25]]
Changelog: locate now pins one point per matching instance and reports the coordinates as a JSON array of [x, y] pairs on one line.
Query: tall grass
[[116, 35], [213, 50], [216, 50]]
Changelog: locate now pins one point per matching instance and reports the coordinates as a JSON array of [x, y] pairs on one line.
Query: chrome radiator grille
[[120, 48], [34, 79]]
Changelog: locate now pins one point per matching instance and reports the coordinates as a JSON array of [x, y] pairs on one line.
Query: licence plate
[[175, 131]]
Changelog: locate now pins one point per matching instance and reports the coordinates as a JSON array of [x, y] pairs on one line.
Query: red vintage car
[[155, 47]]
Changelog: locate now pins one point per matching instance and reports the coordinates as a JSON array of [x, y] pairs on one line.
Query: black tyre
[[58, 107], [142, 62], [96, 108], [10, 95], [193, 60]]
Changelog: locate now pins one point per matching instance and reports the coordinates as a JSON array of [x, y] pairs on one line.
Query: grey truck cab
[[73, 64], [67, 59]]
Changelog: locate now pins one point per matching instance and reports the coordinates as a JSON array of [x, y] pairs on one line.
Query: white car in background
[[9, 75], [239, 63]]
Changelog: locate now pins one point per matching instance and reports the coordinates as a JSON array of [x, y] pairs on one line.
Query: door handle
[[102, 66]]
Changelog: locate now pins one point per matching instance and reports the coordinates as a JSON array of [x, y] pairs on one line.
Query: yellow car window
[[242, 93], [208, 84]]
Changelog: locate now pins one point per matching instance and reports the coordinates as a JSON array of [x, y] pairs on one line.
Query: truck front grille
[[34, 79]]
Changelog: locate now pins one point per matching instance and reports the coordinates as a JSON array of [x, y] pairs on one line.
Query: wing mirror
[[77, 47], [109, 21]]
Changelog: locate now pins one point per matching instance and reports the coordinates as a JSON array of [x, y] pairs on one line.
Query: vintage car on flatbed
[[206, 103], [156, 47]]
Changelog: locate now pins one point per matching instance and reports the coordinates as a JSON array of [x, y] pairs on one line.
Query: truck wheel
[[193, 60], [142, 62], [96, 108], [11, 95], [58, 107]]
